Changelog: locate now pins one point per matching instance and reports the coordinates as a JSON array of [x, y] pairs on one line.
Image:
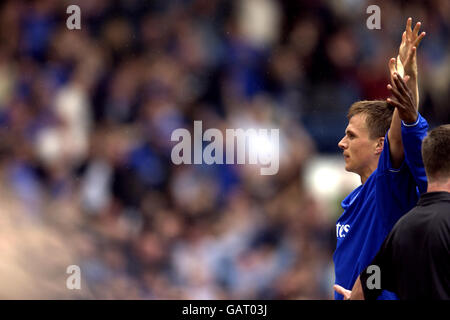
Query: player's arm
[[405, 63], [395, 140]]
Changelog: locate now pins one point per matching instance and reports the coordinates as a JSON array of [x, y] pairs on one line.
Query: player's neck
[[366, 174], [437, 186]]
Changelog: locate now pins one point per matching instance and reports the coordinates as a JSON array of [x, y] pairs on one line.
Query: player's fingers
[[397, 81], [408, 26], [398, 96], [394, 103], [401, 85], [419, 39], [416, 28], [392, 67], [346, 293], [399, 91]]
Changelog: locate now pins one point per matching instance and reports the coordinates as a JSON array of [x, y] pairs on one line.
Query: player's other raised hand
[[403, 99], [407, 51]]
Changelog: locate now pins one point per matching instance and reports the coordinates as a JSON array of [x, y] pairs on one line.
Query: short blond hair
[[378, 116]]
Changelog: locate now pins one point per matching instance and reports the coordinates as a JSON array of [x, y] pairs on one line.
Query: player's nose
[[342, 144]]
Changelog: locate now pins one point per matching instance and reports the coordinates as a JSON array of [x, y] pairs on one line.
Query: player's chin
[[348, 167]]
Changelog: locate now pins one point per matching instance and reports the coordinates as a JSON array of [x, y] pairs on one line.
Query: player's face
[[357, 147]]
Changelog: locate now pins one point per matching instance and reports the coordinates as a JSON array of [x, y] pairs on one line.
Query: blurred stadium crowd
[[85, 123]]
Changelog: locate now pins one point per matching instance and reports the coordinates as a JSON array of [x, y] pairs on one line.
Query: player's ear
[[379, 145]]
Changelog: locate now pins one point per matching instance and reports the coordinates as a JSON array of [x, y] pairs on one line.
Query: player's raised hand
[[403, 99], [396, 68], [407, 51]]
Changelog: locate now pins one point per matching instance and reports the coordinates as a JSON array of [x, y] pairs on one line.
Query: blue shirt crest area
[[372, 209]]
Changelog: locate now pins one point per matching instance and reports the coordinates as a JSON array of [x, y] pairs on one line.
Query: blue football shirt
[[372, 209]]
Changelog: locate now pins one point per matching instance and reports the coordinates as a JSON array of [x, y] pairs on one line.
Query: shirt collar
[[433, 197]]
